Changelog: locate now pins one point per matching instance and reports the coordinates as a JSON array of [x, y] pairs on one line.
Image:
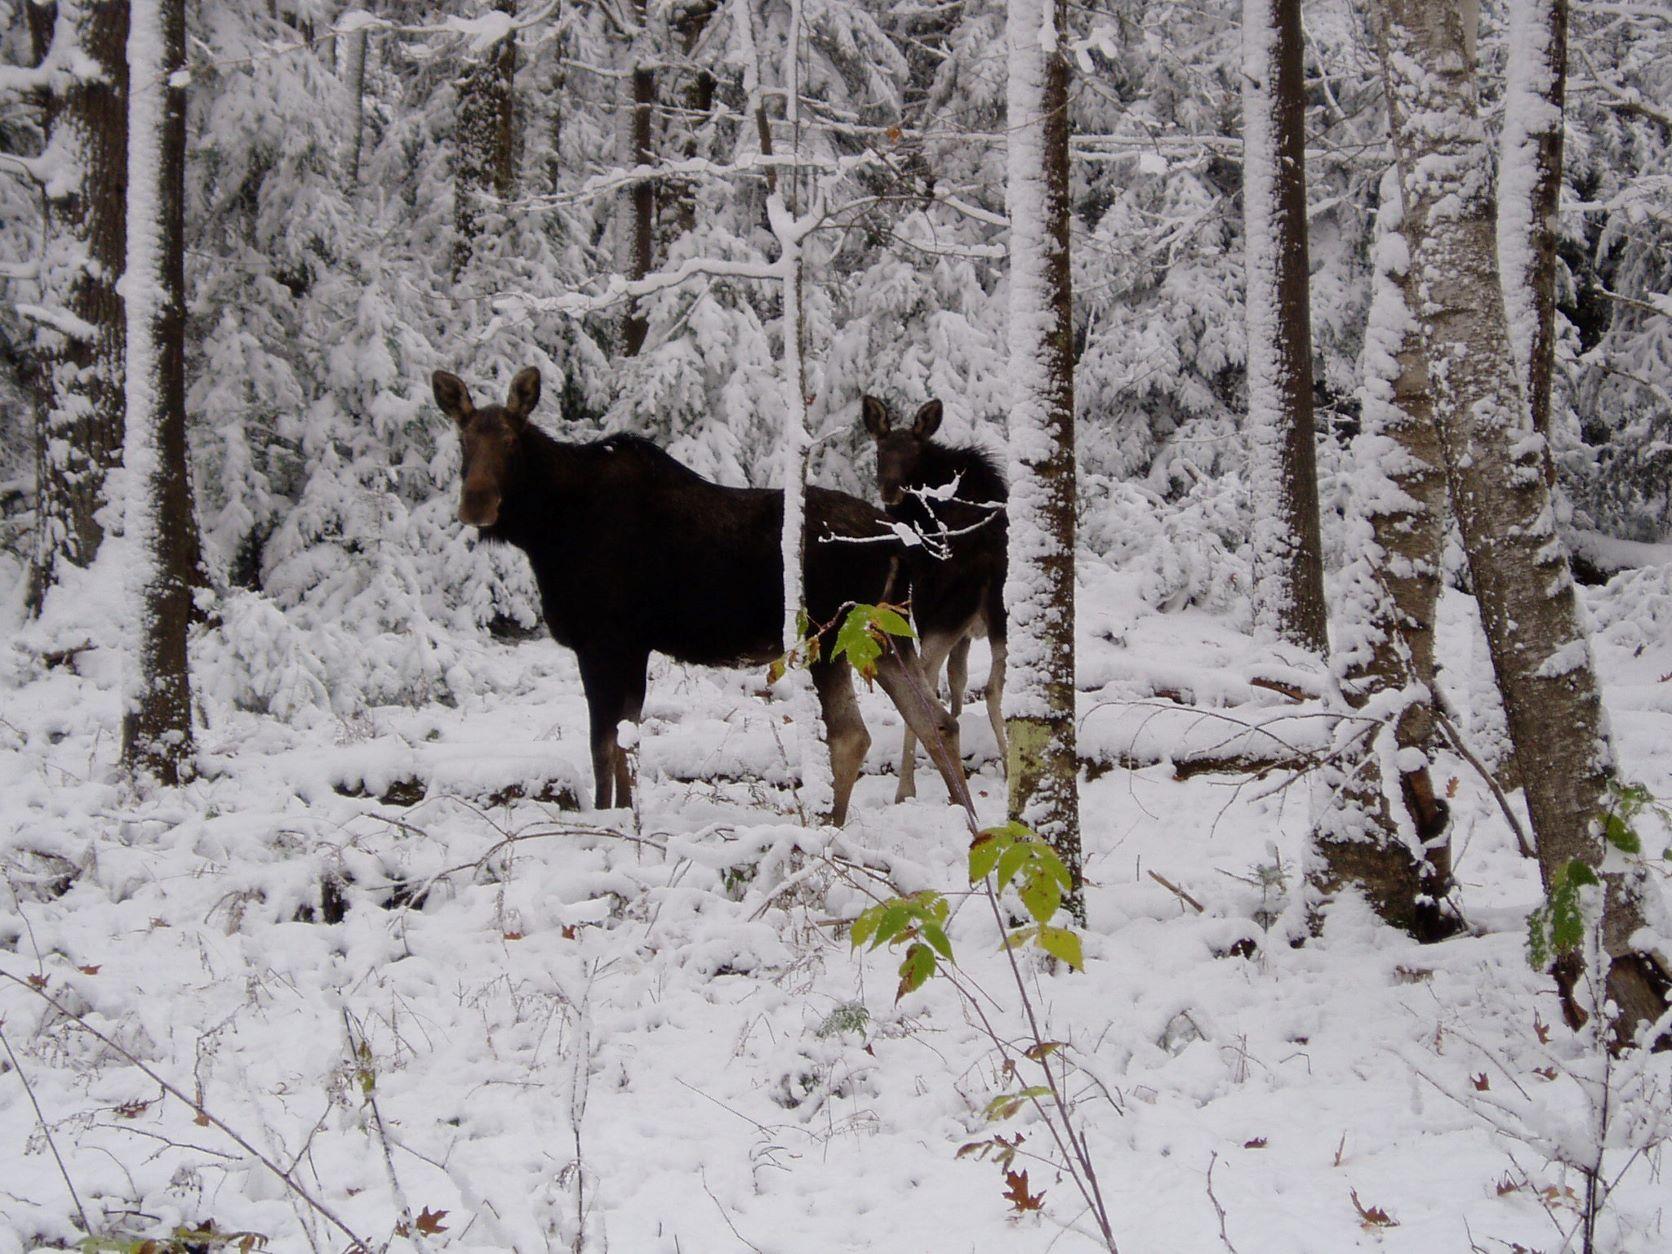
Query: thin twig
[[1178, 892], [357, 1243], [1217, 1208], [47, 1132], [1456, 740]]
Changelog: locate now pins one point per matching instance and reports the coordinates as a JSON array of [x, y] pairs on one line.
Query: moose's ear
[[524, 394], [928, 420], [452, 395], [875, 414]]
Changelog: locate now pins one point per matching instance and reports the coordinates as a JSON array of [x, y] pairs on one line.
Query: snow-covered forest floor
[[651, 1026]]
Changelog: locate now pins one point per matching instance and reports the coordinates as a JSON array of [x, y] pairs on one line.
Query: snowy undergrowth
[[582, 1035]]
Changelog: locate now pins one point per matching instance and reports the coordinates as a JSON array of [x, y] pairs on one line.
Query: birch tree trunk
[[1530, 193], [1039, 688], [1283, 473], [1540, 650], [80, 321], [1382, 827], [485, 141], [157, 728]]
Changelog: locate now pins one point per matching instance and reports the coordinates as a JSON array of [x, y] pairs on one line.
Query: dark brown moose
[[636, 554], [954, 498]]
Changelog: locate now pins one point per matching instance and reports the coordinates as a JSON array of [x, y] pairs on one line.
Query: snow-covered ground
[[647, 1032]]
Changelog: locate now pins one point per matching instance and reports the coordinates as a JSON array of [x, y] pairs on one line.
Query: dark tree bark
[[1538, 640], [80, 341], [354, 80], [1288, 549], [484, 142], [157, 729], [1390, 842], [642, 236], [1039, 690]]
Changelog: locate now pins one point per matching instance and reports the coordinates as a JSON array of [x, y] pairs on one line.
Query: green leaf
[[918, 966], [1063, 944], [1041, 896], [1053, 862], [936, 936], [984, 854], [1012, 861], [895, 916], [1021, 936], [890, 620], [1621, 834], [1011, 831], [864, 926]]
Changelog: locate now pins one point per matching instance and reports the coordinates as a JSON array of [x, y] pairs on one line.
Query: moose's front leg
[[614, 684]]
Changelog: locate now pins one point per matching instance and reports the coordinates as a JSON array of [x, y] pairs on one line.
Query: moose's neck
[[543, 492]]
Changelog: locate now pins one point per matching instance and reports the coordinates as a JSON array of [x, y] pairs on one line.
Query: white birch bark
[[1381, 827], [1540, 647], [817, 790]]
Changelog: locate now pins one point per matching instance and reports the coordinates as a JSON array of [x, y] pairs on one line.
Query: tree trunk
[[485, 142], [1540, 650], [1039, 692], [354, 80], [641, 234], [1530, 182], [157, 728], [1390, 842], [1288, 550], [79, 436]]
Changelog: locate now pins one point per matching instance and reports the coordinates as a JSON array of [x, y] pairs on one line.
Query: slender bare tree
[[157, 726], [79, 317], [1039, 690], [1541, 653], [1530, 194], [641, 231], [484, 139], [1283, 474]]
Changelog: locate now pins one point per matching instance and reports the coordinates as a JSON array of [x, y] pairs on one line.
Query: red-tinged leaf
[[1506, 1185], [1549, 1073], [570, 931], [89, 970], [510, 936], [201, 1119], [134, 1109], [37, 982], [918, 966], [1016, 1193], [1372, 1216], [1541, 1029], [429, 1221], [1258, 1142], [1480, 1082]]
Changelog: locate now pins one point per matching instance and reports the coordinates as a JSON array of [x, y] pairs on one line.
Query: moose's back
[[634, 550]]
